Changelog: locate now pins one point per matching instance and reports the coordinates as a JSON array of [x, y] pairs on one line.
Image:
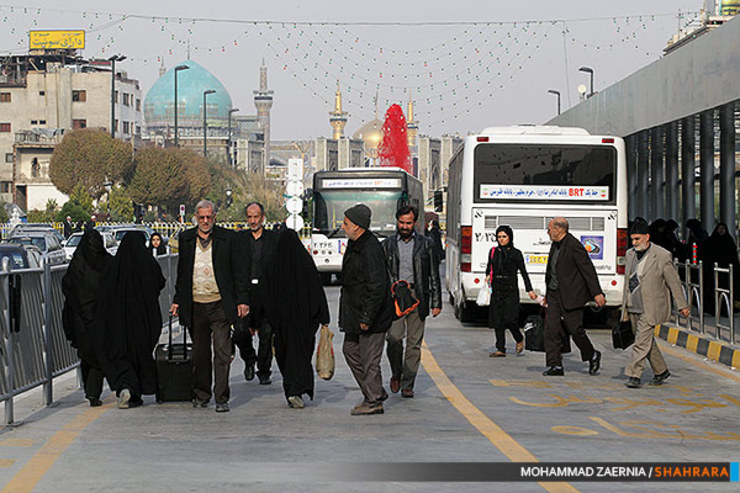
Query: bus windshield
[[329, 207], [545, 173]]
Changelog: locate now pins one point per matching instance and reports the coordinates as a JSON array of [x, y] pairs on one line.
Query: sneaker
[[633, 383], [296, 402], [222, 407], [556, 371], [200, 402], [367, 409], [595, 363], [497, 354], [265, 380], [660, 378], [123, 399], [249, 373]]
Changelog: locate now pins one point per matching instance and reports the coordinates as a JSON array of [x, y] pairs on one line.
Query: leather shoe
[[366, 409], [395, 385], [519, 347], [265, 380], [249, 373], [497, 354], [554, 371], [595, 364], [633, 383], [407, 393], [660, 378]]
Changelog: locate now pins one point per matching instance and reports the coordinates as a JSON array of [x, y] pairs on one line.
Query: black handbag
[[622, 335]]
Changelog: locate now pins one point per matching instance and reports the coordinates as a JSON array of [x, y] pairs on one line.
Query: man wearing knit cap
[[365, 308], [650, 281]]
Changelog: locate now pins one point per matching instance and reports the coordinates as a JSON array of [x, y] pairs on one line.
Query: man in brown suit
[[650, 281], [571, 282]]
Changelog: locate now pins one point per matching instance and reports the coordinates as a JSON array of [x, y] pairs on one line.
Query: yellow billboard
[[55, 40]]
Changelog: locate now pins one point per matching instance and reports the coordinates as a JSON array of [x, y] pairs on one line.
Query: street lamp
[[231, 160], [557, 93], [589, 71], [108, 187], [205, 123], [113, 60], [177, 103], [229, 199]]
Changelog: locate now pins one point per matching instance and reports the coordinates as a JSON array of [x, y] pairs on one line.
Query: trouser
[[557, 319], [210, 324], [645, 348], [503, 314], [405, 367], [92, 380], [362, 353], [263, 355]]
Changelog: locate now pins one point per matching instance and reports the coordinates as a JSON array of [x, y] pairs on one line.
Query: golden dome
[[371, 134]]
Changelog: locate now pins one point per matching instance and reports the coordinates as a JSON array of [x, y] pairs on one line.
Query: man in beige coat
[[650, 281]]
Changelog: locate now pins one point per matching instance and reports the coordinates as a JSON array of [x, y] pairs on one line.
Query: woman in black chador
[[80, 286], [295, 305], [503, 312], [130, 322]]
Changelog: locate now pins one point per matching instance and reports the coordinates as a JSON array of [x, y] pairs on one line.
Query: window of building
[[115, 125], [115, 97], [4, 127], [8, 157], [5, 97], [138, 130], [138, 105], [42, 93], [5, 187], [126, 99], [42, 122], [77, 124], [126, 127], [79, 96], [34, 122]]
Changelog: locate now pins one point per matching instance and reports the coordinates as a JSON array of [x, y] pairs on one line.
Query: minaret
[[412, 126], [338, 118], [263, 102]]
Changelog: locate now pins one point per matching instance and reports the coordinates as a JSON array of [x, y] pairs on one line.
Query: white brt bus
[[523, 176]]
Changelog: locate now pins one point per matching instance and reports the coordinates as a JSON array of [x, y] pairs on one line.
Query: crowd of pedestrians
[[232, 286]]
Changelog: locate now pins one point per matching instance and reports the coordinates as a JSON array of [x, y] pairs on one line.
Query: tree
[[87, 158], [120, 205], [81, 197], [73, 209]]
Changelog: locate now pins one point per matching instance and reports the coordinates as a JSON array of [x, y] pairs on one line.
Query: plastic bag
[[325, 362], [484, 296]]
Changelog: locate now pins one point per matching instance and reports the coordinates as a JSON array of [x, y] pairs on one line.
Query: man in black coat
[[413, 258], [69, 227], [571, 282], [365, 308], [211, 293], [260, 244]]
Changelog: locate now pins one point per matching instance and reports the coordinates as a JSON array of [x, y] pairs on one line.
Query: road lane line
[[700, 364], [34, 470], [498, 437]]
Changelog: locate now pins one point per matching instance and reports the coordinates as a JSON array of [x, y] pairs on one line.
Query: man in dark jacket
[[210, 294], [571, 282], [413, 258], [260, 243], [365, 308]]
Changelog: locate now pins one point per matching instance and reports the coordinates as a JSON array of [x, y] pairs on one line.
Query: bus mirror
[[438, 201]]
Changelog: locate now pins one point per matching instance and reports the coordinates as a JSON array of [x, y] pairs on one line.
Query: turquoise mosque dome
[[191, 83]]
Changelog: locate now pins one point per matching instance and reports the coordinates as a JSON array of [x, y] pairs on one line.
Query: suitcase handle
[[184, 341]]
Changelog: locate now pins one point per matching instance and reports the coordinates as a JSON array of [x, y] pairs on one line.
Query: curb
[[718, 351]]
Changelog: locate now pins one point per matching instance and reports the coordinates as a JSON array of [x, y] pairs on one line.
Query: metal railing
[[33, 347], [722, 297]]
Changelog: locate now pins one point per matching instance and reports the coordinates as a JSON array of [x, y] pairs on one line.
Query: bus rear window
[[545, 173]]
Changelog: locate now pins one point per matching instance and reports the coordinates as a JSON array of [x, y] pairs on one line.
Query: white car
[[74, 240]]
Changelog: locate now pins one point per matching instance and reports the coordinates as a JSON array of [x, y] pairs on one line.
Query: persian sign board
[[55, 40]]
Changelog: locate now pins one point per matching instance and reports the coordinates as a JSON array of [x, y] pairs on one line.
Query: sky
[[466, 64]]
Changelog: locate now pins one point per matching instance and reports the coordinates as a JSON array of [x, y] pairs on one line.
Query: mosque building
[[242, 141]]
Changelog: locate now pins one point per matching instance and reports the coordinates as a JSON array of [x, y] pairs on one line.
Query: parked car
[[19, 256], [21, 229], [74, 240], [119, 232], [48, 244]]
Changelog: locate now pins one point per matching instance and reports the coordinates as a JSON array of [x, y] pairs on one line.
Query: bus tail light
[[622, 241], [466, 244]]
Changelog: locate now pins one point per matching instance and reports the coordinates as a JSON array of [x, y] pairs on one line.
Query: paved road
[[468, 408]]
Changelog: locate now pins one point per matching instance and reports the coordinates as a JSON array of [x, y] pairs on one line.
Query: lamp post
[[205, 123], [589, 71], [229, 199], [231, 159], [556, 93], [177, 103], [108, 187], [113, 60]]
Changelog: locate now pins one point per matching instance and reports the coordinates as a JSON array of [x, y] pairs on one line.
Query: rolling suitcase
[[174, 369]]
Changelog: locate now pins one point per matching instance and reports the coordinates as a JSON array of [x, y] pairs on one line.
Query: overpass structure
[[678, 117]]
